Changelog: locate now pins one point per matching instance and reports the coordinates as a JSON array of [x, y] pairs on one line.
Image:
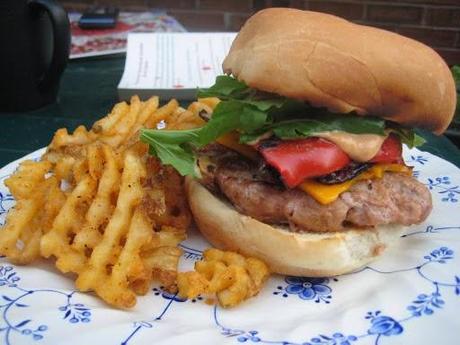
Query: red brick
[[279, 3], [236, 21], [443, 17], [394, 14], [346, 10], [387, 27], [228, 6], [422, 2], [297, 4], [258, 4], [199, 21], [431, 37], [167, 4], [452, 56]]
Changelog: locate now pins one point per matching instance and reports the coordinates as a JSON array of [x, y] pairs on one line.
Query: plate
[[410, 296]]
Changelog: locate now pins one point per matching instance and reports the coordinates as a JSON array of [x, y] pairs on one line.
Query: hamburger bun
[[286, 252], [330, 62]]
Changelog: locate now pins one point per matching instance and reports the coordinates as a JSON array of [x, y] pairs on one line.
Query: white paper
[[173, 64]]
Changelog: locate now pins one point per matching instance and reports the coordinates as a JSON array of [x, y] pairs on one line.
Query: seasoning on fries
[[232, 277], [105, 209]]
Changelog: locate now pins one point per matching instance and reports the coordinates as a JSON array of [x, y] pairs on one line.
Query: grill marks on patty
[[256, 192]]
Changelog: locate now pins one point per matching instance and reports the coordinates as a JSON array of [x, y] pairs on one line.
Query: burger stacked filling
[[283, 161]]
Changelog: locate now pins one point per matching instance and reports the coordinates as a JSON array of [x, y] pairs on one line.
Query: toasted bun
[[344, 67], [299, 254]]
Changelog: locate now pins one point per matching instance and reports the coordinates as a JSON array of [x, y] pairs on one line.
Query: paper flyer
[[172, 65]]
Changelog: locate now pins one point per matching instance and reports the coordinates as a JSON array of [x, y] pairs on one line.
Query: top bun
[[330, 62]]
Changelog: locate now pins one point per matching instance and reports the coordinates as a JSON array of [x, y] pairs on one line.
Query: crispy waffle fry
[[98, 275], [80, 136], [26, 178], [20, 238], [119, 132], [211, 102], [232, 277], [102, 207], [162, 114], [69, 220], [106, 123]]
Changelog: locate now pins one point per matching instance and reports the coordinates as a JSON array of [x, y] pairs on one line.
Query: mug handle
[[61, 34]]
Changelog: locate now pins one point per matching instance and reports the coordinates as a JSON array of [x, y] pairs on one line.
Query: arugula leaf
[[223, 88], [408, 136], [169, 147], [226, 117], [175, 147], [228, 88], [308, 127], [253, 114]]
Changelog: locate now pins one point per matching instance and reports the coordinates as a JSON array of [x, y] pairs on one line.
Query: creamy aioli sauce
[[359, 147]]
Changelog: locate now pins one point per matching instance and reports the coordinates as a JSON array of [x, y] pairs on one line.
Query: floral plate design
[[410, 296]]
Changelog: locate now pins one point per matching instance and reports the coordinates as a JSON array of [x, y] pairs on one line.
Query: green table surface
[[88, 91]]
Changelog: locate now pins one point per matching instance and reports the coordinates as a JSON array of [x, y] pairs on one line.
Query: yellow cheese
[[327, 193], [231, 140]]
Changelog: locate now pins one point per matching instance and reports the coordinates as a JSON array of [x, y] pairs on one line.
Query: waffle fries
[[232, 277], [101, 206]]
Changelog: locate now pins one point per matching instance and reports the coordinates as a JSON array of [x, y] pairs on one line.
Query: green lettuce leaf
[[304, 128], [408, 136], [171, 148], [253, 114], [224, 88]]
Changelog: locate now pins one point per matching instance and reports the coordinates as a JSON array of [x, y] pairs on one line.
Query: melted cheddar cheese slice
[[231, 140], [327, 193]]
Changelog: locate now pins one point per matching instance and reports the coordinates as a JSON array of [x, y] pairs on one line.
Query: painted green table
[[88, 91]]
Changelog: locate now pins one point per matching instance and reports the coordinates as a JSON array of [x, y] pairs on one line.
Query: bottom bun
[[286, 252]]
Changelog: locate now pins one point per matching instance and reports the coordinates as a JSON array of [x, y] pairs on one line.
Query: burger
[[300, 164]]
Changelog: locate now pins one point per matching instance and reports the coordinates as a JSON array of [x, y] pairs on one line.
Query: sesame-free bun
[[286, 252], [333, 63]]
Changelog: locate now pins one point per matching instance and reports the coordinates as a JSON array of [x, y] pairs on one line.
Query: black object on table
[[89, 91]]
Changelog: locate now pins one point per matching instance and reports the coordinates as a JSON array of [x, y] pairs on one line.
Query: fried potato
[[27, 177], [119, 132], [231, 276], [68, 221], [106, 123], [79, 137], [102, 207], [162, 114], [211, 102], [19, 238], [191, 284]]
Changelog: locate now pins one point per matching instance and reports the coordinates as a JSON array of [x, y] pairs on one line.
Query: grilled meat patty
[[255, 191]]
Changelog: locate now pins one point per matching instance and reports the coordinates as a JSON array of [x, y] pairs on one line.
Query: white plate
[[410, 296]]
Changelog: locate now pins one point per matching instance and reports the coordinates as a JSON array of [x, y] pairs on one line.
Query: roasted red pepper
[[390, 152], [297, 160]]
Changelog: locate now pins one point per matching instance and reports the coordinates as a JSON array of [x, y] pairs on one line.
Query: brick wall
[[434, 22]]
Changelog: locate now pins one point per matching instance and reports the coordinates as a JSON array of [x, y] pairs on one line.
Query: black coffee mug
[[34, 48]]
